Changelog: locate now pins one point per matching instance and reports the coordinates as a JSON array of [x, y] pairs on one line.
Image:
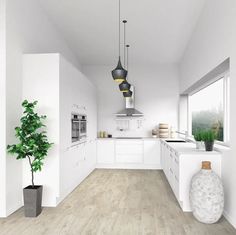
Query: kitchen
[[110, 172]]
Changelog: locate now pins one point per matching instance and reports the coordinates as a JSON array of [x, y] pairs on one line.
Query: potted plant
[[198, 139], [33, 145], [208, 137]]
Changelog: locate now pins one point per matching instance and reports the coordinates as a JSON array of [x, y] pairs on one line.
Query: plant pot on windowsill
[[209, 145], [199, 145], [208, 137], [33, 200]]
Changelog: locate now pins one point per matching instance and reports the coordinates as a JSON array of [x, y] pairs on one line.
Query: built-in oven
[[78, 127]]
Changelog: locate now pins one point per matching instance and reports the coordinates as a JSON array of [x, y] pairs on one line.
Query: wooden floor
[[126, 202]]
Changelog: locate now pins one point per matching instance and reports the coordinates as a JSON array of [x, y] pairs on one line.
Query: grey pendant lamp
[[119, 73], [124, 86], [128, 93]]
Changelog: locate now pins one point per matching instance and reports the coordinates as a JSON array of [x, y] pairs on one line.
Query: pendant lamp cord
[[119, 28], [127, 46], [124, 21]]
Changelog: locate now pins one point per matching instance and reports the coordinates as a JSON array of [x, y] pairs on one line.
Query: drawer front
[[129, 158], [129, 149], [129, 142]]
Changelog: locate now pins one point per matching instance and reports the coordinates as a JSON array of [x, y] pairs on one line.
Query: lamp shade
[[119, 73], [127, 94], [124, 86]]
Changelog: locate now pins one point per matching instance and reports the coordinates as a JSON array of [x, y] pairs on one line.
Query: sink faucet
[[185, 133]]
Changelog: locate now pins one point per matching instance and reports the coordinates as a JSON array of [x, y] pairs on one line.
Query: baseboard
[[129, 166], [14, 208], [230, 219]]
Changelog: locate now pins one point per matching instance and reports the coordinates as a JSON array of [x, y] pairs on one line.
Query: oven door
[[83, 129], [75, 130]]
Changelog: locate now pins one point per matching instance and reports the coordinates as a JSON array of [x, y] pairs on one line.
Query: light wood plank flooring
[[124, 202]]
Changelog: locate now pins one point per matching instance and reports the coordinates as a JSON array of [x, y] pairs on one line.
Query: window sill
[[221, 148]]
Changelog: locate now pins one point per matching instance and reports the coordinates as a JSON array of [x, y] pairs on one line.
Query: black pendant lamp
[[119, 73], [128, 93], [124, 86]]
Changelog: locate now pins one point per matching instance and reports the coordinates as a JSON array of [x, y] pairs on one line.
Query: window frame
[[226, 99]]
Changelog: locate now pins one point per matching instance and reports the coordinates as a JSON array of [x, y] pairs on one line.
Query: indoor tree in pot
[[33, 145], [209, 137]]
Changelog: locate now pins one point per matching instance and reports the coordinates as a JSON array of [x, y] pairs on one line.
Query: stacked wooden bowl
[[163, 130]]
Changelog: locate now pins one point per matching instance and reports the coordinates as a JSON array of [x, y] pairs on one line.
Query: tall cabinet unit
[[61, 89]]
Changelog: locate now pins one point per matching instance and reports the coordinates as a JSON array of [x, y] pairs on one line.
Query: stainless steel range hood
[[129, 110]]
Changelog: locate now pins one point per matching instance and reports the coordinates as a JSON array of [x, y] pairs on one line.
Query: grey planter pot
[[33, 200], [209, 145]]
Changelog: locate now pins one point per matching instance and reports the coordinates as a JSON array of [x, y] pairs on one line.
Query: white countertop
[[189, 148]]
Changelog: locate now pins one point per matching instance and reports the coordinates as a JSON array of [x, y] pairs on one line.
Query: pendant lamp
[[119, 73], [124, 86], [128, 93]]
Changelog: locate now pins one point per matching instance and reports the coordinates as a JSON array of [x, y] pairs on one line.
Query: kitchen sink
[[175, 141]]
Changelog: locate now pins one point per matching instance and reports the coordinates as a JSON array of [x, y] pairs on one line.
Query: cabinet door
[[90, 154], [152, 152], [105, 151]]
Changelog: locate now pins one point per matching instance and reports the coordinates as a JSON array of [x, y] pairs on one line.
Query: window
[[208, 108]]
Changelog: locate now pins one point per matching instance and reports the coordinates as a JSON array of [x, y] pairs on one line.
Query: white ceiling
[[157, 30]]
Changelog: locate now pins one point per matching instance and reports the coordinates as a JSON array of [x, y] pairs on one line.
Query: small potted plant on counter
[[208, 137], [33, 145], [198, 139]]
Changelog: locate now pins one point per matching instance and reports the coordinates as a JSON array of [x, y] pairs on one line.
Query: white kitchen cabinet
[[152, 152], [105, 151], [129, 151], [180, 162], [91, 153], [51, 75]]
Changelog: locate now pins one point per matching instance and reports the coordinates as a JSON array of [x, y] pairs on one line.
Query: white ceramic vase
[[207, 195]]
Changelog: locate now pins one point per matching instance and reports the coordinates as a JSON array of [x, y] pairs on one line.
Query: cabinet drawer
[[129, 149], [129, 142], [129, 158]]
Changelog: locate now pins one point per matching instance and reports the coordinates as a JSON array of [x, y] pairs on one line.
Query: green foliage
[[209, 119], [33, 143], [198, 135], [208, 136]]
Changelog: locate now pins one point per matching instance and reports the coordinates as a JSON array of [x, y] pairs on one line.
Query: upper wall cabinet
[[61, 89]]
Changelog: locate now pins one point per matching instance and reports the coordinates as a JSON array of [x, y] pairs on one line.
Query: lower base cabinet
[[151, 151], [179, 168], [128, 153], [105, 151]]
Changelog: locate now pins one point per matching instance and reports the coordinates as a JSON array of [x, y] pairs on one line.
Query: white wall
[[28, 30], [212, 42], [156, 95], [2, 107], [41, 83]]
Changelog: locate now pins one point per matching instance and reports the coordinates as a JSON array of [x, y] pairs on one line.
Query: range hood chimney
[[129, 110]]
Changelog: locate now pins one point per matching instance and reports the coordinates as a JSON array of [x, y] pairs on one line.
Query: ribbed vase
[[207, 195]]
